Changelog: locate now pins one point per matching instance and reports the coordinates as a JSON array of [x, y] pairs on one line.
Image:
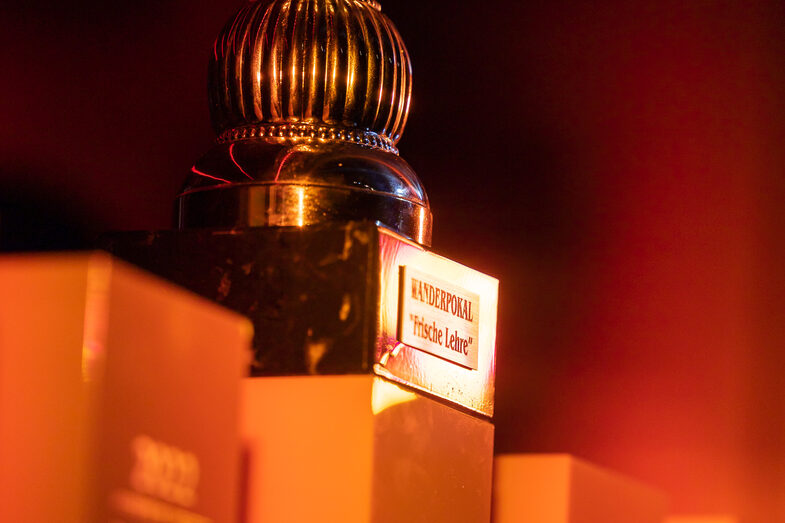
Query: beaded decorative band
[[309, 132]]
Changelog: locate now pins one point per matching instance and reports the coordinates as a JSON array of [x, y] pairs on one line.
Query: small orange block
[[558, 488]]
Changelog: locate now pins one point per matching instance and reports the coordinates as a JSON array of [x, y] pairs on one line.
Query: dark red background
[[617, 165]]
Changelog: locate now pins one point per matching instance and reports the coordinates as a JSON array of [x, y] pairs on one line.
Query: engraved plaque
[[439, 317]]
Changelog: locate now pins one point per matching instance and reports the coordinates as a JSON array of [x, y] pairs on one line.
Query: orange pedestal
[[562, 489], [118, 395], [359, 449]]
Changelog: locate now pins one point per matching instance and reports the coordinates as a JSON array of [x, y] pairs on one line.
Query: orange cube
[[559, 488], [118, 395]]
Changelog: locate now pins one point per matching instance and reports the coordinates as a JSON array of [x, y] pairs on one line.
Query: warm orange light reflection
[[300, 206], [386, 395], [95, 319], [391, 354], [472, 388], [421, 232]]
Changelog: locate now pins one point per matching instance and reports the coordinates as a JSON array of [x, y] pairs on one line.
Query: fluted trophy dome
[[335, 63], [309, 99]]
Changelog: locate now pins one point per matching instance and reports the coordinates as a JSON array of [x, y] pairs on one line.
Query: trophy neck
[[285, 181]]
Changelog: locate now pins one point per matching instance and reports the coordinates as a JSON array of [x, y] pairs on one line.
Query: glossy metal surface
[[472, 389], [256, 182], [309, 98], [331, 62]]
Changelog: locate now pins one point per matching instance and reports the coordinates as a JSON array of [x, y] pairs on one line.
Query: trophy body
[[371, 388]]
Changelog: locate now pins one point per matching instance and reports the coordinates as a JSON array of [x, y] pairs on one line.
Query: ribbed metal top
[[329, 66]]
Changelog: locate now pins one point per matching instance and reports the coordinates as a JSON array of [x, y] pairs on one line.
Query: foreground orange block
[[559, 488], [361, 449], [118, 395]]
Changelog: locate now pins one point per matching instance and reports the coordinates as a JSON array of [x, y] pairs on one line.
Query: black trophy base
[[308, 291], [329, 299]]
